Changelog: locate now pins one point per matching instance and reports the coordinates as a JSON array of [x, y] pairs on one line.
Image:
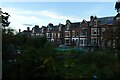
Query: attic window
[[95, 22], [59, 28]]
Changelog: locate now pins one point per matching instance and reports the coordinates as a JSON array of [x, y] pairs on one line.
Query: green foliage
[[8, 41], [39, 60], [36, 42], [86, 64], [4, 16]]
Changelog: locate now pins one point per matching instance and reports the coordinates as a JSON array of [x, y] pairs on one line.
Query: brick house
[[98, 26], [60, 31], [27, 32], [72, 32], [43, 31], [84, 33], [36, 30], [80, 34]]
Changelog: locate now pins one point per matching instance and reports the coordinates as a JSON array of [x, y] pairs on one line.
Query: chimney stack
[[19, 30], [28, 28], [91, 17]]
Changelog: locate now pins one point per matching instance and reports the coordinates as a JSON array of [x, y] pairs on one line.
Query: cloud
[[54, 15], [47, 13], [20, 17], [17, 19], [27, 24]]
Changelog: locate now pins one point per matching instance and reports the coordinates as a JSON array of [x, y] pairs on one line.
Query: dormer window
[[68, 24], [59, 28], [95, 22], [84, 23]]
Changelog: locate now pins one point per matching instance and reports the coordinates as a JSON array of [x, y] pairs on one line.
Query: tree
[[8, 43], [5, 16], [4, 19]]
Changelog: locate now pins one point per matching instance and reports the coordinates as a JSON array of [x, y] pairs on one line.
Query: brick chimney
[[91, 17], [28, 28], [19, 30]]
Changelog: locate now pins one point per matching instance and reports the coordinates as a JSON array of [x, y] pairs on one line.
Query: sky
[[29, 14]]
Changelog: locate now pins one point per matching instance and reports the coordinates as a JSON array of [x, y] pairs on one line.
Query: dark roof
[[50, 25], [68, 21], [54, 28], [63, 26], [106, 20], [27, 31], [95, 17], [43, 27], [75, 25], [88, 22]]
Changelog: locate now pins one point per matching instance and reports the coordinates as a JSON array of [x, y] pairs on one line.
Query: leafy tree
[[4, 20], [8, 40]]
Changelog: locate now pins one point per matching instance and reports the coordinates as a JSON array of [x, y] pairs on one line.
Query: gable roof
[[83, 21], [61, 25], [54, 28], [91, 21], [86, 22]]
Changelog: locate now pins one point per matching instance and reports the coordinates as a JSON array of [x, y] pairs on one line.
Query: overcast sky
[[28, 14]]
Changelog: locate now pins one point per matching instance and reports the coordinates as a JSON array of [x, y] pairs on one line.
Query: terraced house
[[79, 34]]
